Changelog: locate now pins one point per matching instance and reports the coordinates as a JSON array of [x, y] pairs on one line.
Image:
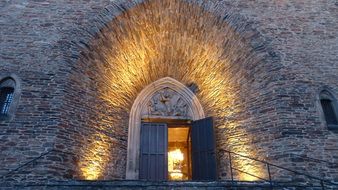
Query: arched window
[[329, 107], [7, 88]]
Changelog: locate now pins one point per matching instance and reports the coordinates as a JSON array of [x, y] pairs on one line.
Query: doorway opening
[[163, 99], [177, 150], [179, 153], [172, 137]]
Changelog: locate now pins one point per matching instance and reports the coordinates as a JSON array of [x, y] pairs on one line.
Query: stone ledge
[[138, 185]]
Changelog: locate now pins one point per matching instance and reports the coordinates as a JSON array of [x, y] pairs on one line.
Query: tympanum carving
[[167, 102]]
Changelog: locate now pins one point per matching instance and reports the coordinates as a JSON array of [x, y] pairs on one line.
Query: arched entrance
[[150, 41], [181, 103]]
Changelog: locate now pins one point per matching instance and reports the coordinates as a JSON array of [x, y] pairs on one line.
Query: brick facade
[[279, 55]]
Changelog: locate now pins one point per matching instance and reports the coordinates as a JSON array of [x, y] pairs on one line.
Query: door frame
[[170, 123], [133, 150]]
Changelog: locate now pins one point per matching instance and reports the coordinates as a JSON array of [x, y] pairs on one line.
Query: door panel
[[153, 152], [203, 150]]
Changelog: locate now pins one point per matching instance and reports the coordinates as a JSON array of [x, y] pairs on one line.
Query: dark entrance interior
[[177, 150]]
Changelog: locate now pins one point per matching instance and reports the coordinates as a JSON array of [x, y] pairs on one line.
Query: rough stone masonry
[[259, 66]]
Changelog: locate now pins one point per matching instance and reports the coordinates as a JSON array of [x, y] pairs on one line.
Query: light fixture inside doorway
[[175, 164]]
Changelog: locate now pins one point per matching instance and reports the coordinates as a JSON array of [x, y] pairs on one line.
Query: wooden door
[[153, 152], [203, 150]]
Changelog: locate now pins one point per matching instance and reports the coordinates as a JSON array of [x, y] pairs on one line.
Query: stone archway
[[141, 42], [194, 111]]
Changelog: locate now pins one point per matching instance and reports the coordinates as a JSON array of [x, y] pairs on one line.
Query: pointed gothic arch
[[194, 107], [329, 109]]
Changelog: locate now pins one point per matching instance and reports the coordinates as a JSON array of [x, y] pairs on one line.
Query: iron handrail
[[322, 181], [313, 159], [32, 161], [231, 168]]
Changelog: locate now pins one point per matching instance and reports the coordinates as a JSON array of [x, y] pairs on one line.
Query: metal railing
[[273, 183], [313, 159], [33, 161]]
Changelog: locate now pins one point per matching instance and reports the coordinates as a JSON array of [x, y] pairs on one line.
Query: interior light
[[175, 164]]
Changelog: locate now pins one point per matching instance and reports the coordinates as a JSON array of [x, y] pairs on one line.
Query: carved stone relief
[[167, 102]]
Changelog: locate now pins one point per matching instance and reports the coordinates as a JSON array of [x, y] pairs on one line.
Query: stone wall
[[276, 55]]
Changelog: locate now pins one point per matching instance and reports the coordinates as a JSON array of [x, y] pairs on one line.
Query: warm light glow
[[175, 164], [176, 155], [92, 172], [239, 143], [251, 167], [174, 38], [94, 161], [176, 175]]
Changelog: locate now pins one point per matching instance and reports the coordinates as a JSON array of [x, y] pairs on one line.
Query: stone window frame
[[326, 93], [16, 95]]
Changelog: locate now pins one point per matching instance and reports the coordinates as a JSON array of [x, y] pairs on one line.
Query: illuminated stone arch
[[194, 107], [125, 50]]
